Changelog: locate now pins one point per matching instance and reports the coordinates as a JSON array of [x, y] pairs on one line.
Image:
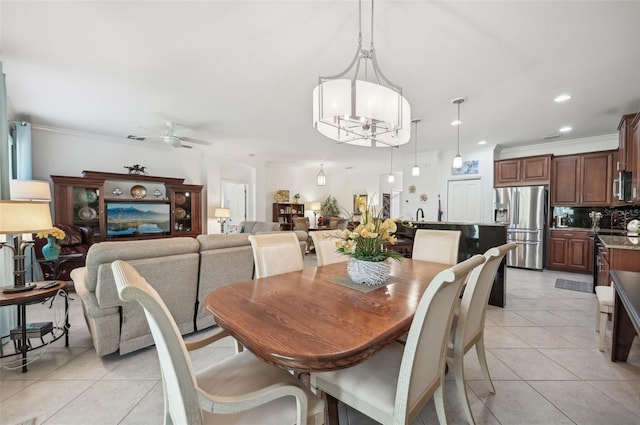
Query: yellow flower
[[55, 232]]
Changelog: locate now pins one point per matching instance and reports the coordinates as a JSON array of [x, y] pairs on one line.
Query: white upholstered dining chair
[[276, 253], [238, 390], [468, 328], [439, 246], [325, 244], [393, 385]]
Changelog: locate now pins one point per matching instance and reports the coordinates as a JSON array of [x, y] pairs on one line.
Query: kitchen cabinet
[[285, 212], [128, 206], [528, 171], [626, 157], [571, 251], [635, 162], [582, 180], [615, 259]]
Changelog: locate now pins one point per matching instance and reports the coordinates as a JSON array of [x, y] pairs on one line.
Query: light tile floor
[[542, 352]]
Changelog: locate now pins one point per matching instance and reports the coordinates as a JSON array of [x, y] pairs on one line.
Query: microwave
[[624, 186]]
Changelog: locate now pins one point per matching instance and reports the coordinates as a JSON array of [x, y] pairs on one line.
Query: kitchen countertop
[[606, 232], [620, 242], [454, 222]]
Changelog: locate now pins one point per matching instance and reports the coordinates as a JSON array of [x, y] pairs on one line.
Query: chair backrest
[[301, 223], [473, 306], [180, 394], [325, 243], [439, 246], [423, 361], [276, 253]]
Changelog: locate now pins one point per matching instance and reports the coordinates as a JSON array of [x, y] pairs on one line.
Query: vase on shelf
[[369, 273], [51, 250]]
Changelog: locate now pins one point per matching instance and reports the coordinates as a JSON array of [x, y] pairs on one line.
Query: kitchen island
[[616, 253], [476, 238]]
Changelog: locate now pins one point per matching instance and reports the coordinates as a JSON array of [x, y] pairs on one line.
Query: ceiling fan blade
[[195, 141]]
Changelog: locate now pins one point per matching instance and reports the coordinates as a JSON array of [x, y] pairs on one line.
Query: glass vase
[[51, 250]]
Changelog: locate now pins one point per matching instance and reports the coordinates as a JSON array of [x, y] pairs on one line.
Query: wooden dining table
[[305, 321]]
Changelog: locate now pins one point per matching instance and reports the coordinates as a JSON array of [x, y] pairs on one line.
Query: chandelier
[[360, 112]]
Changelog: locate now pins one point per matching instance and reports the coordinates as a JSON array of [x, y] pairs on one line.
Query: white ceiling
[[240, 74]]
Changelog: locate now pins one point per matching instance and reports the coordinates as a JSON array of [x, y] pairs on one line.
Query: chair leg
[[482, 358], [598, 317], [438, 400], [458, 368], [603, 329]]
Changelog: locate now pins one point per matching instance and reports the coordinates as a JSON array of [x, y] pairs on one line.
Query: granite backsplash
[[612, 217]]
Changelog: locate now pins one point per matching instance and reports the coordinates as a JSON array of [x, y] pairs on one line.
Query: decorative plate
[[138, 191], [87, 197], [87, 213], [180, 213], [412, 188], [180, 199], [423, 197]]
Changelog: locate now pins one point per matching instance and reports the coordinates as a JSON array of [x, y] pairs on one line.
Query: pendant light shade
[[321, 178], [415, 171], [457, 160], [359, 112]]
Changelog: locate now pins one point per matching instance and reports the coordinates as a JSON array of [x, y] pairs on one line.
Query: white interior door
[[234, 197], [464, 201]]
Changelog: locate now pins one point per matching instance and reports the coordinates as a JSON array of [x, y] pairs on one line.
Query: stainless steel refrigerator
[[524, 209]]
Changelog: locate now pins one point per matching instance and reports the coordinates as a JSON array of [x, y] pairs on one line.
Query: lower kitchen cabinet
[[570, 250], [611, 258]]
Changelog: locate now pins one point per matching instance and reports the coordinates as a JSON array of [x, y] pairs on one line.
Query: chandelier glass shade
[[360, 112]]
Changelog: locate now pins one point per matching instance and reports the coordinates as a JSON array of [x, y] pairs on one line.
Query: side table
[[53, 269], [21, 300]]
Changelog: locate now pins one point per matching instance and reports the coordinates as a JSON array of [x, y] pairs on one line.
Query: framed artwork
[[282, 196], [468, 167], [364, 197]]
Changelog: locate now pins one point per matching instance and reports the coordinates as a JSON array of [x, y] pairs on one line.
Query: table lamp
[[315, 207], [222, 214], [17, 217]]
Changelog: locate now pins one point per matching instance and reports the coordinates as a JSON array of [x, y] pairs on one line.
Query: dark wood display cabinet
[[128, 206], [285, 212]]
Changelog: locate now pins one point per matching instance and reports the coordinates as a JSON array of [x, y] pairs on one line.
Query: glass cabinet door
[[182, 212], [86, 208]]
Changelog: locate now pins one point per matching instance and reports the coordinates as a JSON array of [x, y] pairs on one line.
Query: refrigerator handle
[[516, 198]]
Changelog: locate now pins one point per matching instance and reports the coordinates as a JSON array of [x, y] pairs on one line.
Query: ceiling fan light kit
[[169, 137], [359, 112]]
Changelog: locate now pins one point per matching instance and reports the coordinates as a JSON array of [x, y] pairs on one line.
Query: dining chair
[[468, 327], [325, 243], [604, 294], [238, 390], [393, 385], [276, 253], [439, 246]]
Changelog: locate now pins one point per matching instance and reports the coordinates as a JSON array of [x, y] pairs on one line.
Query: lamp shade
[[315, 206], [30, 190], [222, 213], [24, 217]]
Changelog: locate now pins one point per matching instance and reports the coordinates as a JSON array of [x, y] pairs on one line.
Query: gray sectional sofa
[[183, 270]]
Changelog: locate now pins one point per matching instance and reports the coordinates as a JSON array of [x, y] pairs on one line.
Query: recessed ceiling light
[[562, 98], [456, 122], [565, 129], [482, 142]]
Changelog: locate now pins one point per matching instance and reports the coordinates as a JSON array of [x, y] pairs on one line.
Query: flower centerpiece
[[51, 250], [368, 264]]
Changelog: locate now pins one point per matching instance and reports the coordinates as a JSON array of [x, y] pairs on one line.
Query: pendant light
[[415, 171], [321, 179], [363, 108], [391, 178], [457, 160]]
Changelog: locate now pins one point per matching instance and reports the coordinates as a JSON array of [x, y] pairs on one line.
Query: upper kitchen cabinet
[[582, 180], [635, 163], [529, 171], [626, 153]]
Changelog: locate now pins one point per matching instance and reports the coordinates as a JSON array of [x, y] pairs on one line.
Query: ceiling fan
[[168, 136]]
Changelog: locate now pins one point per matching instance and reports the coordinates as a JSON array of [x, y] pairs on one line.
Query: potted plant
[[329, 208], [296, 198]]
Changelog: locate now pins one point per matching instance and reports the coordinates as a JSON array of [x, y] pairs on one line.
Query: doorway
[[234, 197]]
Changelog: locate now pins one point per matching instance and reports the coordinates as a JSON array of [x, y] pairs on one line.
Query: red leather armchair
[[73, 252]]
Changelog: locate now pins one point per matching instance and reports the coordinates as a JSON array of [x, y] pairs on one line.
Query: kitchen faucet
[[421, 214]]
